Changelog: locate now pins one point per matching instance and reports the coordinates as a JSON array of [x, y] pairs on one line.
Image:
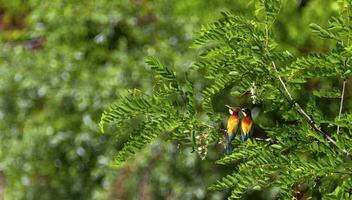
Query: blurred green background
[[63, 62]]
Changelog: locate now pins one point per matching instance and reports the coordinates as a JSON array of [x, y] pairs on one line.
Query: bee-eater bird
[[232, 127], [246, 124]]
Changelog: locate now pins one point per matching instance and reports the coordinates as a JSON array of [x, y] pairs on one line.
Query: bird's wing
[[252, 128], [255, 112]]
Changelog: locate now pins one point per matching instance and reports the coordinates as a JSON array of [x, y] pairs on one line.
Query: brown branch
[[300, 110], [341, 104]]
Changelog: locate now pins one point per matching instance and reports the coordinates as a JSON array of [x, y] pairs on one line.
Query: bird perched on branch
[[246, 124], [232, 126]]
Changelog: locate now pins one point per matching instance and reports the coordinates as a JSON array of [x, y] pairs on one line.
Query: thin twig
[[262, 139], [341, 104], [300, 110]]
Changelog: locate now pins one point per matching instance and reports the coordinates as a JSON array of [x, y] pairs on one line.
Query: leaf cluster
[[238, 52]]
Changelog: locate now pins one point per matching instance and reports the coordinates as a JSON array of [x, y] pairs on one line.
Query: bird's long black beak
[[229, 107]]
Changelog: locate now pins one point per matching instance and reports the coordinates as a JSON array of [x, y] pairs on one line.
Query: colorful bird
[[246, 124], [232, 127]]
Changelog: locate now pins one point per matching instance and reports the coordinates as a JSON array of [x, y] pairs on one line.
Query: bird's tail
[[229, 148], [244, 137]]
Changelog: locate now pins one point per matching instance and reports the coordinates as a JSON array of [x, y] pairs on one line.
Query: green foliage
[[237, 53], [157, 113], [154, 123], [61, 63]]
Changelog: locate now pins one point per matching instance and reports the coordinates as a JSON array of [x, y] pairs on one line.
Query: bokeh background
[[63, 62]]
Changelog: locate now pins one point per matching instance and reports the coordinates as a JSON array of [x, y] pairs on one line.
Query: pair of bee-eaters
[[235, 122]]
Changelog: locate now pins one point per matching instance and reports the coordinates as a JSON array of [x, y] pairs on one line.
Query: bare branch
[[300, 110], [262, 139], [341, 103]]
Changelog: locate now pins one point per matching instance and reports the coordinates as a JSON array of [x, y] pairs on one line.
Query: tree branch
[[300, 110], [341, 103]]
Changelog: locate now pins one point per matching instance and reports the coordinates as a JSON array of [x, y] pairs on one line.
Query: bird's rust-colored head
[[233, 110]]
